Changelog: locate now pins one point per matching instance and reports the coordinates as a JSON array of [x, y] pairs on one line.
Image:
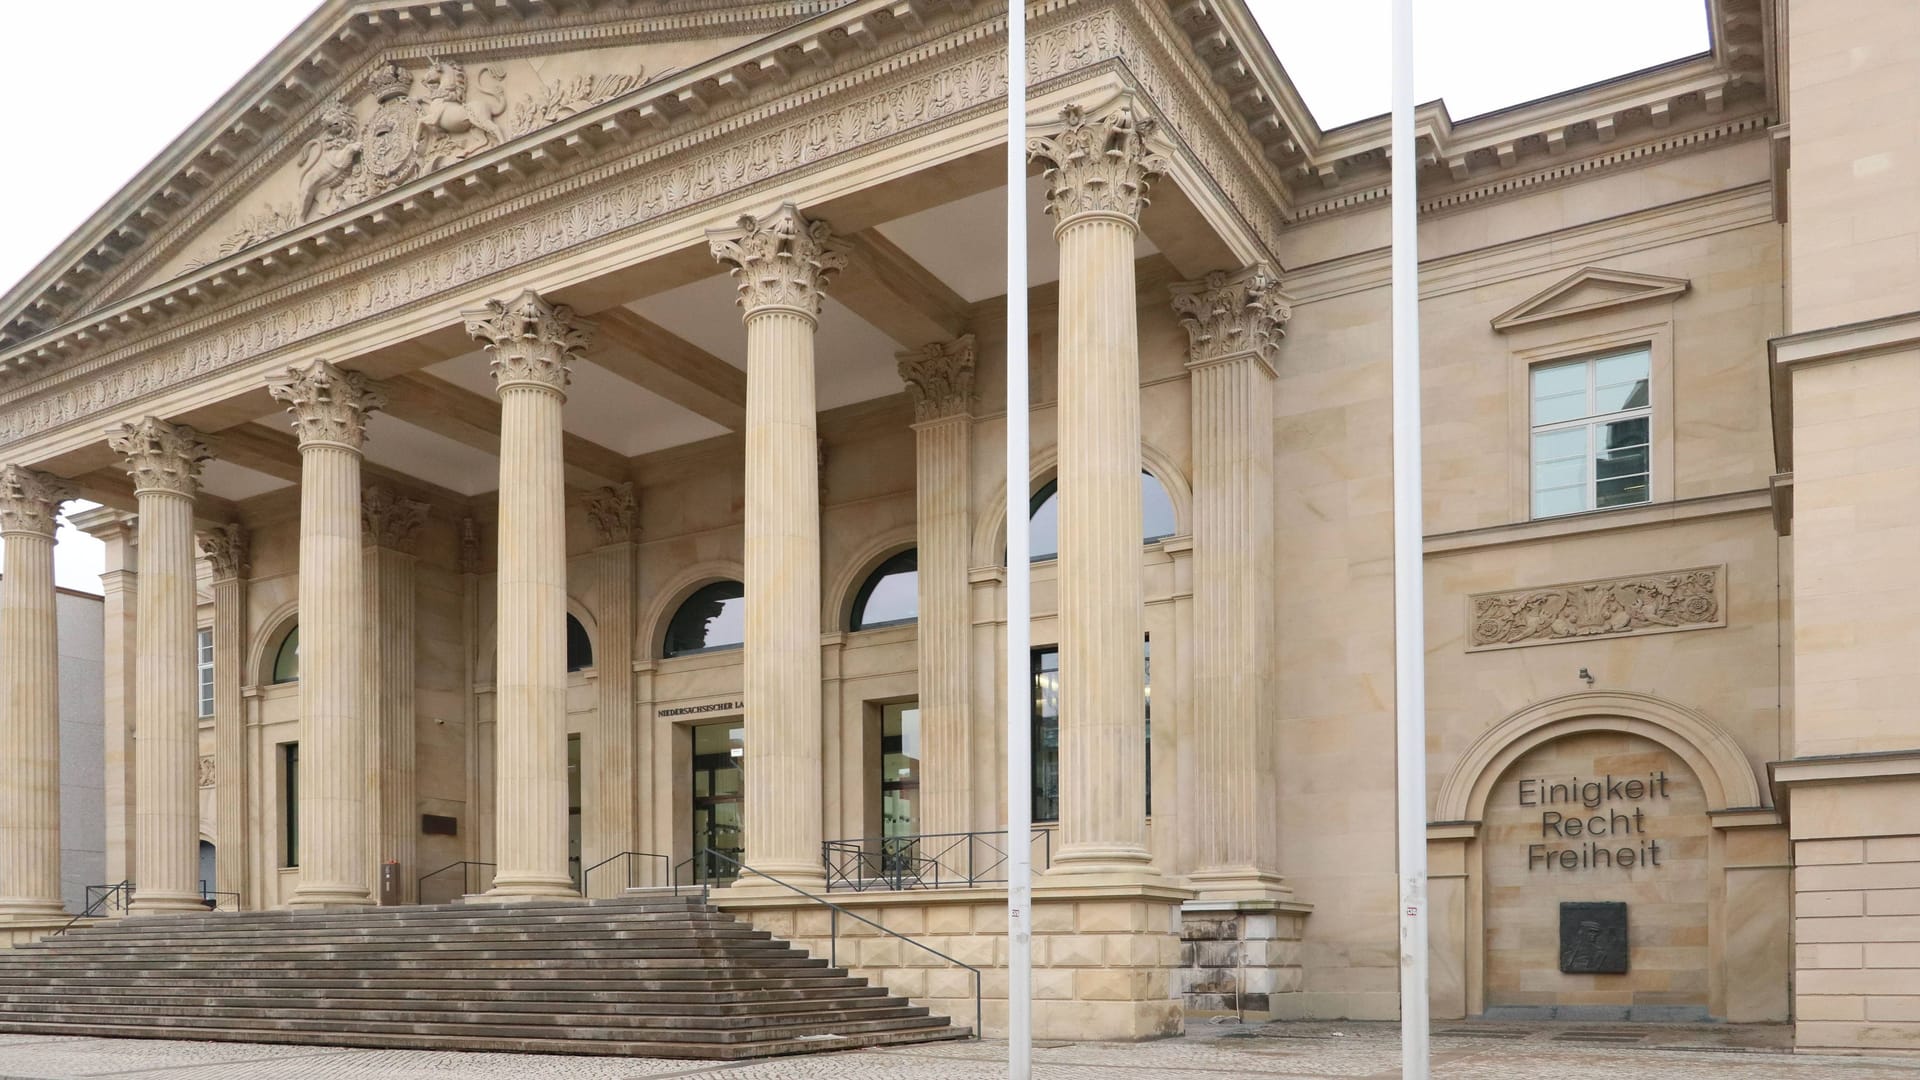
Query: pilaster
[[939, 378], [781, 264], [329, 407], [530, 344], [1098, 172], [620, 756], [29, 696], [120, 595], [390, 524], [165, 462], [1234, 324], [226, 553]]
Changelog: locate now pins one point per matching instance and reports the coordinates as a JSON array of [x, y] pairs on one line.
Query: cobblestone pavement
[[1359, 1051]]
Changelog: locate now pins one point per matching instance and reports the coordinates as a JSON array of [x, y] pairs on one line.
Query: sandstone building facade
[[536, 432]]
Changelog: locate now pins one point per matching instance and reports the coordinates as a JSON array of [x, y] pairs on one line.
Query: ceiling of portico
[[436, 459], [235, 482]]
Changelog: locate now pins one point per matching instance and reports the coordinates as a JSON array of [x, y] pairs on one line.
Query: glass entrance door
[[718, 798]]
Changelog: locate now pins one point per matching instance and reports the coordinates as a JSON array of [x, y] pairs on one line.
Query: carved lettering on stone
[[781, 261], [30, 500], [529, 341], [226, 551], [329, 404], [1100, 166], [1236, 314], [1615, 607], [161, 456], [615, 513], [390, 521], [939, 378]]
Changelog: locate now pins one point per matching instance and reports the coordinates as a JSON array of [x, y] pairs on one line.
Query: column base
[[753, 887], [32, 910], [1239, 884], [327, 898], [165, 903], [18, 928], [1104, 864], [527, 888]]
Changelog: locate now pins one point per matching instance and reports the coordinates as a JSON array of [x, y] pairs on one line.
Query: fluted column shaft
[[329, 407], [611, 795], [165, 462], [781, 264], [1097, 180], [29, 696], [1234, 322], [531, 343], [391, 524], [120, 603], [940, 379], [226, 552]]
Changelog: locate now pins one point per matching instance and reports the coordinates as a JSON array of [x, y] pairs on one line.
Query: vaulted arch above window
[[891, 594], [286, 657], [579, 646], [714, 617], [1157, 520]]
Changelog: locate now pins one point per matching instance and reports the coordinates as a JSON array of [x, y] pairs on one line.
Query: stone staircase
[[647, 976]]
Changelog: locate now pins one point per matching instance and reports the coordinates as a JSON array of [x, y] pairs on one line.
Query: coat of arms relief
[[421, 120]]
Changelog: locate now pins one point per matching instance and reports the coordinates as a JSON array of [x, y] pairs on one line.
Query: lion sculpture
[[328, 162]]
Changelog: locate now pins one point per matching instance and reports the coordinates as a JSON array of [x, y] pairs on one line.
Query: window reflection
[[891, 595], [714, 617]]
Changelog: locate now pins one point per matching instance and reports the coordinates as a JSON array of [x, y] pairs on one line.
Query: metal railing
[[219, 901], [618, 874], [931, 861], [741, 870], [102, 901], [474, 877]]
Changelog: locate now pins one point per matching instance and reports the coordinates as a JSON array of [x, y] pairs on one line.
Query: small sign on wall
[[1593, 938]]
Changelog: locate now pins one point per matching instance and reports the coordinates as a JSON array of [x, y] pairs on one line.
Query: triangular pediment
[[1588, 290], [362, 99]]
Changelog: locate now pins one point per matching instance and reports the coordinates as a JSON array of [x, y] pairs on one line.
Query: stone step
[[478, 984], [493, 1043], [492, 1014], [297, 952], [614, 932], [660, 1005]]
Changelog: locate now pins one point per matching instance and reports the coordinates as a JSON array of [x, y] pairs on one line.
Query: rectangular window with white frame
[[206, 671], [1592, 433]]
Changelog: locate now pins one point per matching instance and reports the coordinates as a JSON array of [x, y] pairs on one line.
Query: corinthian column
[[29, 696], [226, 552], [391, 523], [940, 380], [781, 264], [530, 343], [329, 408], [1098, 173], [1234, 324], [165, 460]]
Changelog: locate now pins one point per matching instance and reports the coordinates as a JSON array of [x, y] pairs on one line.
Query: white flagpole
[[1019, 664], [1409, 577]]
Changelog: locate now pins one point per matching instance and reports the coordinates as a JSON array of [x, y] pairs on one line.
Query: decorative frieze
[[1098, 166], [615, 513], [390, 521], [329, 404], [939, 378], [30, 500], [1612, 607], [529, 341], [225, 549], [208, 773], [161, 456], [1230, 315], [781, 261]]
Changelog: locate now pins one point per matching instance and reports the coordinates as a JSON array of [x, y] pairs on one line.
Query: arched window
[[891, 595], [1156, 516], [714, 617], [579, 646], [286, 659]]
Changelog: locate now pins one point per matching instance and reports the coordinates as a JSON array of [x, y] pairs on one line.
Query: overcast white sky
[[97, 88]]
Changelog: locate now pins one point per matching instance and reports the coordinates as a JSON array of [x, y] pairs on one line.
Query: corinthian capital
[[329, 404], [939, 378], [780, 261], [390, 521], [1227, 315], [226, 551], [615, 513], [161, 456], [1100, 166], [30, 500], [529, 341]]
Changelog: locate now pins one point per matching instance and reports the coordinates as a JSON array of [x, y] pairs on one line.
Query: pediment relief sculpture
[[1586, 291], [410, 122]]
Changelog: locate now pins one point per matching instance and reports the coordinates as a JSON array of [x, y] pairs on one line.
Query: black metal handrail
[[99, 900], [212, 899], [631, 858], [833, 924], [926, 861], [467, 867]]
